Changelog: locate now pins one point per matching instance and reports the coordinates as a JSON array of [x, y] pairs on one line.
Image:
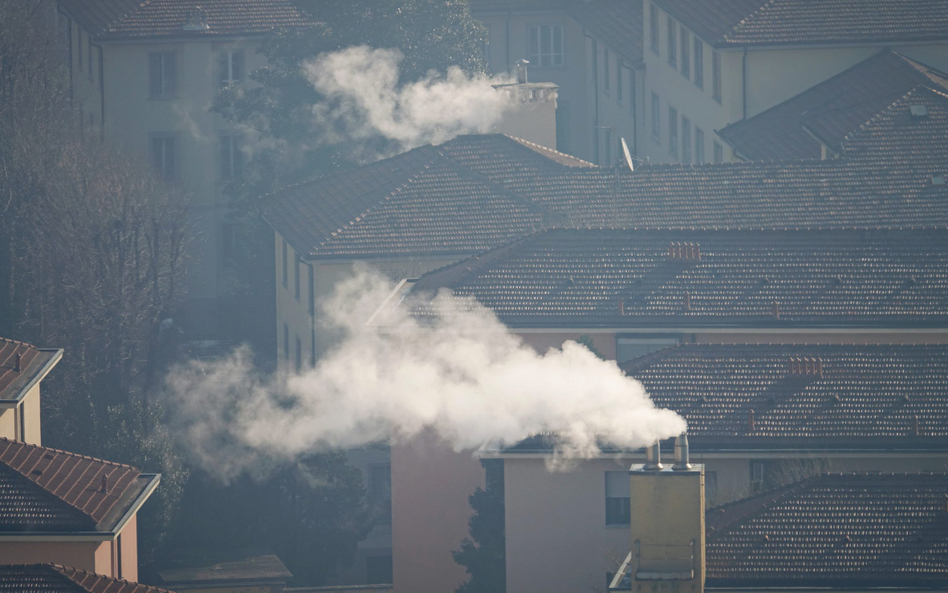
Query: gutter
[[53, 361], [750, 453]]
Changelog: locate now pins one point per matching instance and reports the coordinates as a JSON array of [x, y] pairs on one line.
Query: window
[[299, 354], [607, 148], [622, 75], [656, 118], [286, 342], [312, 344], [757, 476], [380, 492], [629, 347], [716, 76], [718, 152], [685, 53], [231, 67], [606, 71], [311, 287], [296, 277], [618, 509], [162, 75], [163, 156], [286, 265], [672, 43], [232, 157], [378, 570], [699, 62], [685, 139], [672, 131], [545, 45], [699, 146], [632, 92], [653, 28]]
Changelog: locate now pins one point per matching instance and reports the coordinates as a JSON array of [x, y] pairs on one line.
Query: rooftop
[[834, 530], [21, 366], [831, 110], [478, 192], [138, 19], [43, 490], [724, 23], [609, 278], [53, 578], [617, 23]]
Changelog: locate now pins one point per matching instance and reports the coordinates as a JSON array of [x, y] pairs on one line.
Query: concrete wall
[[129, 545], [81, 555], [430, 511], [28, 410]]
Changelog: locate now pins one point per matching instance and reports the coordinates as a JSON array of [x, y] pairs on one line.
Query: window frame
[[685, 140], [299, 355], [225, 64], [286, 342], [716, 76], [231, 157], [607, 72], [624, 518], [671, 41], [536, 58], [656, 127], [162, 168], [654, 29], [296, 276], [166, 91], [286, 265], [699, 146], [672, 131], [685, 61], [717, 152], [698, 49]]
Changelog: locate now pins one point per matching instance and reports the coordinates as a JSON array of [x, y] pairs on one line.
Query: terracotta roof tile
[[835, 530], [49, 485], [803, 396], [789, 22], [565, 278], [53, 578], [124, 19], [830, 110], [10, 351]]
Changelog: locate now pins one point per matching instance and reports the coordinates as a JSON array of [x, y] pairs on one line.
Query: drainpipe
[[744, 85], [595, 69], [507, 42]]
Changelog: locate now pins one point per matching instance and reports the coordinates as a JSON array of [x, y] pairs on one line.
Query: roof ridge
[[529, 145], [387, 197], [740, 25]]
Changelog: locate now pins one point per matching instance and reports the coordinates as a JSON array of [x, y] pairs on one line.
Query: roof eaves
[[52, 361]]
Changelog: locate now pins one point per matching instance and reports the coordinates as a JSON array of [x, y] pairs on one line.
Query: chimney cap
[[522, 71], [653, 457], [682, 460]]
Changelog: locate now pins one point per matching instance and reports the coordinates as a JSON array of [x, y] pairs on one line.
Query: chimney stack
[[105, 483], [522, 71], [653, 456], [681, 453]]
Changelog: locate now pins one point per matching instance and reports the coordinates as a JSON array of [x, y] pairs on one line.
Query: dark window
[[231, 67], [286, 265], [296, 277], [656, 118], [378, 569], [311, 288], [545, 45], [620, 79], [653, 27], [606, 71], [685, 140], [312, 353], [299, 354], [618, 509], [162, 75], [163, 157], [562, 126], [685, 53], [380, 492], [673, 131], [699, 146], [232, 157], [716, 76], [699, 62], [286, 342], [672, 42], [718, 153]]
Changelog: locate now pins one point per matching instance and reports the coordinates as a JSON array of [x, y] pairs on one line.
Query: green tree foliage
[[90, 261], [484, 554], [587, 341]]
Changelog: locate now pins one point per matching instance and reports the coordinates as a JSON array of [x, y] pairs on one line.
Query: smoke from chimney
[[462, 375]]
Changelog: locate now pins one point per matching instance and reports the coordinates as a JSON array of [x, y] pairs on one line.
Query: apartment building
[[591, 50], [728, 60], [22, 368], [144, 76]]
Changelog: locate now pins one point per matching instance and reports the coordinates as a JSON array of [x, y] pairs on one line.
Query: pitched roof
[[584, 278], [834, 530], [617, 23], [134, 19], [883, 179], [51, 490], [33, 362], [790, 22], [802, 396], [53, 578], [830, 110]]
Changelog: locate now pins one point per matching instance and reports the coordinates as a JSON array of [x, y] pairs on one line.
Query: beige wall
[[430, 511], [129, 544], [29, 410], [82, 555]]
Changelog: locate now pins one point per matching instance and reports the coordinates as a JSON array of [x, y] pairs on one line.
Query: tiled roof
[[791, 22], [32, 360], [617, 23], [830, 110], [638, 278], [883, 179], [48, 489], [53, 578], [803, 396], [132, 19], [835, 530]]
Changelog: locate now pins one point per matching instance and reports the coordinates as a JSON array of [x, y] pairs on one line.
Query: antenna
[[628, 155]]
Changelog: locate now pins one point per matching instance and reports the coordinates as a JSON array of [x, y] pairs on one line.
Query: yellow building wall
[[82, 555], [10, 419], [129, 543]]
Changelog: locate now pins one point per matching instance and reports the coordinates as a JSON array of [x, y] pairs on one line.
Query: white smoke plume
[[462, 376], [365, 101]]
